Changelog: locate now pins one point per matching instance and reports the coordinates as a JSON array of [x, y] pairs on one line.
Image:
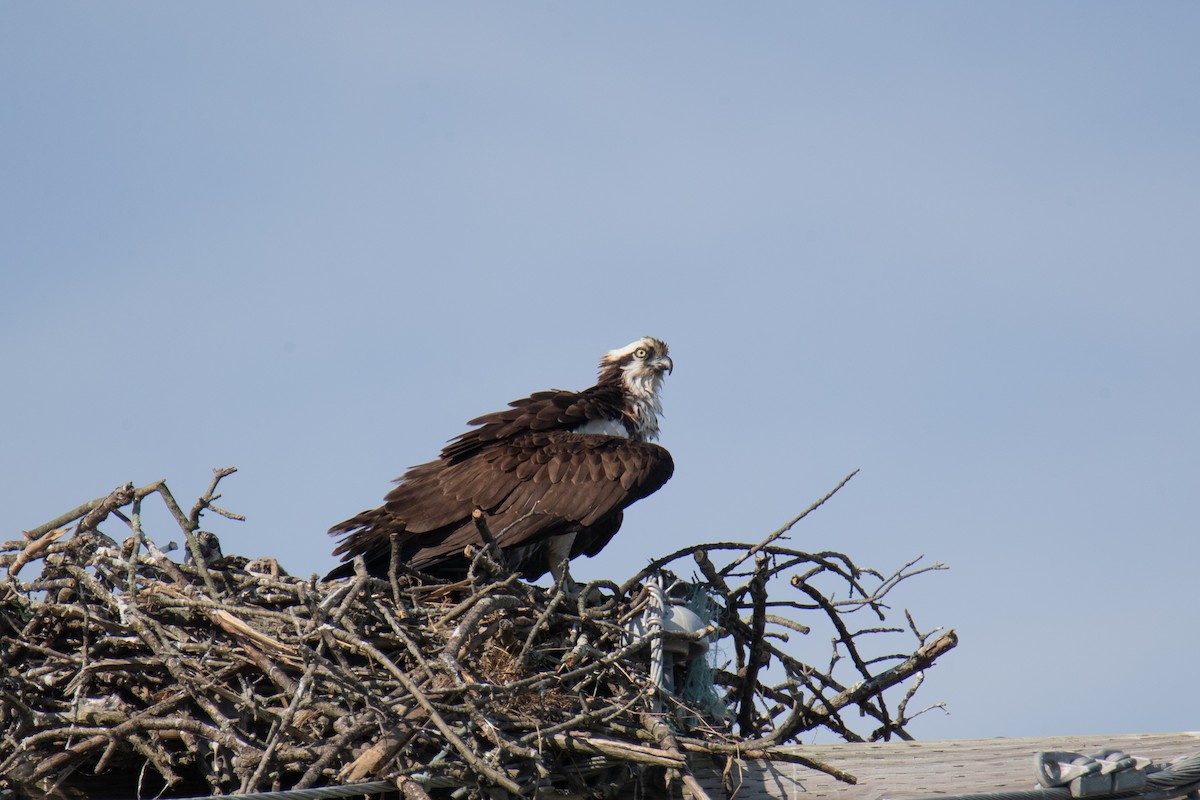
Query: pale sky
[[956, 245]]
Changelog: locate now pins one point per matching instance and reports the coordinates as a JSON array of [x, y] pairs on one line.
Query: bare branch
[[206, 678]]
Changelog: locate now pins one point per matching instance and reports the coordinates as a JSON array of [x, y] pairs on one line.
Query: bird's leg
[[558, 553], [561, 571]]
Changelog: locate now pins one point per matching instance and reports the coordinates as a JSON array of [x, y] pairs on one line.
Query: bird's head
[[639, 368], [643, 360]]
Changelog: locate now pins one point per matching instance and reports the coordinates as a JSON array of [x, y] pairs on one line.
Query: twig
[[118, 661], [731, 566]]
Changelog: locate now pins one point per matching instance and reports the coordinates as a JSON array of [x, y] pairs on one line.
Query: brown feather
[[531, 475]]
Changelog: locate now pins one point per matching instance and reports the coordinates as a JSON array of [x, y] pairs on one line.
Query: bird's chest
[[605, 427]]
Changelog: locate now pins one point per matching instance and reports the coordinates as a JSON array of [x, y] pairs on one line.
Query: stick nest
[[126, 674]]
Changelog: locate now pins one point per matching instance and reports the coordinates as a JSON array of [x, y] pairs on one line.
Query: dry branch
[[123, 670]]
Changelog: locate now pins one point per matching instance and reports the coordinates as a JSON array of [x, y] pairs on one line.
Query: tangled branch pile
[[124, 674]]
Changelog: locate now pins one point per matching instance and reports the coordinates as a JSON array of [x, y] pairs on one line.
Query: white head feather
[[640, 366]]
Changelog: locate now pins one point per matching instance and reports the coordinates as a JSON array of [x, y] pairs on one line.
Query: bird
[[550, 475]]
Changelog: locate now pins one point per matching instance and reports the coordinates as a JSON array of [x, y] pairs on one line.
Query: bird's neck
[[640, 405], [643, 404], [644, 419]]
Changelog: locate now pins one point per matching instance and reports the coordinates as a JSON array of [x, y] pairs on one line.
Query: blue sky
[[953, 245]]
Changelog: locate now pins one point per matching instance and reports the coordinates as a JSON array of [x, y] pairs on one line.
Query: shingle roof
[[912, 769]]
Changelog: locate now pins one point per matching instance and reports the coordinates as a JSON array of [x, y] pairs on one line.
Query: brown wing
[[575, 477], [531, 486], [590, 541], [540, 412]]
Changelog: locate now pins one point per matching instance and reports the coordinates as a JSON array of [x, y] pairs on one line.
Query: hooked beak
[[665, 363]]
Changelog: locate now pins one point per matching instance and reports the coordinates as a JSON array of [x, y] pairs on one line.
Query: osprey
[[552, 475]]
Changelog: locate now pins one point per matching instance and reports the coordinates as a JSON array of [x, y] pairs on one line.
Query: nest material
[[124, 674]]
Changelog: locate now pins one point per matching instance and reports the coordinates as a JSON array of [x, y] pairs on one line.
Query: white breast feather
[[605, 427]]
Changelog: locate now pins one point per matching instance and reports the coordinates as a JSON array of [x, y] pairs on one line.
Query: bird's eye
[[641, 352]]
